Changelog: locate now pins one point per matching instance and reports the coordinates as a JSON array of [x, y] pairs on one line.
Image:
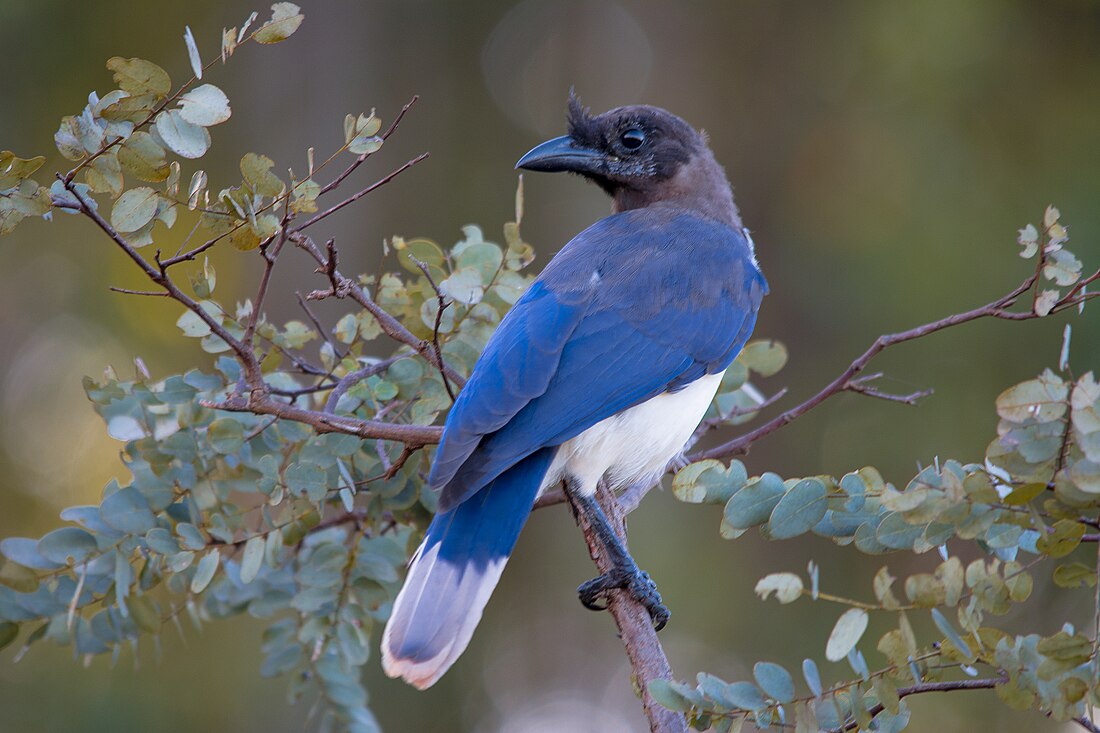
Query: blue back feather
[[641, 302]]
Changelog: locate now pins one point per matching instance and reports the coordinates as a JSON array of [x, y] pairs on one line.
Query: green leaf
[[285, 19], [144, 612], [1028, 239], [799, 509], [256, 169], [1086, 475], [104, 175], [192, 538], [812, 676], [1074, 575], [204, 573], [745, 695], [484, 257], [754, 502], [464, 286], [226, 435], [666, 695], [128, 511], [206, 105], [192, 52], [14, 169], [138, 76], [134, 209], [765, 357], [948, 630], [24, 551], [786, 586], [143, 158], [8, 633], [253, 558], [68, 545], [306, 479], [1042, 399], [192, 325], [708, 482], [183, 138], [1062, 267], [775, 681], [1046, 301], [846, 634], [1063, 539]]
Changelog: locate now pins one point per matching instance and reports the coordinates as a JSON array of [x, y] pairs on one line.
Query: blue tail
[[455, 571]]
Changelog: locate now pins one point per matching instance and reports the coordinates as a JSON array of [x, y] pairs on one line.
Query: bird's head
[[639, 155]]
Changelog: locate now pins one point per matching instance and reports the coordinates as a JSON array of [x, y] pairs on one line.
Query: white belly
[[637, 444]]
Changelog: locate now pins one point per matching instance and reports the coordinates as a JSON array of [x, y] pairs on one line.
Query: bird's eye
[[632, 139]]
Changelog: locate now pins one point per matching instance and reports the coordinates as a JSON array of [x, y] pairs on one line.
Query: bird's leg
[[624, 572]]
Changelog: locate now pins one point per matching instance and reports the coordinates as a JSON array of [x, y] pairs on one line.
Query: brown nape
[[699, 185]]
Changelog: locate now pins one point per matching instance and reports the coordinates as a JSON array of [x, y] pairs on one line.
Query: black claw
[[594, 594]]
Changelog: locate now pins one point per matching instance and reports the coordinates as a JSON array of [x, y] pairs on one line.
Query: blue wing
[[642, 302]]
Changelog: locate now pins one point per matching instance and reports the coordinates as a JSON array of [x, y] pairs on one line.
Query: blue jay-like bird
[[602, 370]]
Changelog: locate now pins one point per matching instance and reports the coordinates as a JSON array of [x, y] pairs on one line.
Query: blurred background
[[883, 154]]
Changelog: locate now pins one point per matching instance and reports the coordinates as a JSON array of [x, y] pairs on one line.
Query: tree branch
[[389, 325], [847, 378], [643, 648], [987, 683], [258, 403]]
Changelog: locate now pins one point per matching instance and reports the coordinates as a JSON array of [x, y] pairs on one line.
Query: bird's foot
[[595, 593]]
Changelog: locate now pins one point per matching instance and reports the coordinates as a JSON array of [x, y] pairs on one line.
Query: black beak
[[562, 154]]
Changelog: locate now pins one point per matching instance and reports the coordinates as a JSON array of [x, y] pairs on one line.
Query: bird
[[602, 370]]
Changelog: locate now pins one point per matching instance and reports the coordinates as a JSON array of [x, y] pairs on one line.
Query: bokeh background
[[882, 153]]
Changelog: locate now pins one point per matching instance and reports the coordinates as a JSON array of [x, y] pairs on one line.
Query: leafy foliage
[[1026, 507]]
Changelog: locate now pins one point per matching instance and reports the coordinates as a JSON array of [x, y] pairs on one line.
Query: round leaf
[[775, 681], [205, 105], [127, 511], [182, 137], [134, 209], [799, 510], [138, 76], [204, 573], [68, 544], [846, 634]]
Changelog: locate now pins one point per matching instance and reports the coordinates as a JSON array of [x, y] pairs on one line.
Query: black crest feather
[[583, 127]]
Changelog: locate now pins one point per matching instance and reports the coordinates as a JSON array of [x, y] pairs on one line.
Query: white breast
[[636, 444]]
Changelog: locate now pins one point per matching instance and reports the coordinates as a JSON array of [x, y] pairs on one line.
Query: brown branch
[[987, 683], [861, 386], [842, 383], [643, 648], [158, 276], [150, 293], [258, 403], [389, 325], [350, 379]]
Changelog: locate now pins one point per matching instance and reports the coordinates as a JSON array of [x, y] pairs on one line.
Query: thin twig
[[353, 378], [359, 161], [150, 293], [360, 194], [389, 325], [442, 306]]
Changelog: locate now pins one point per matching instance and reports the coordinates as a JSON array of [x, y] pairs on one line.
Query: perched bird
[[601, 370]]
